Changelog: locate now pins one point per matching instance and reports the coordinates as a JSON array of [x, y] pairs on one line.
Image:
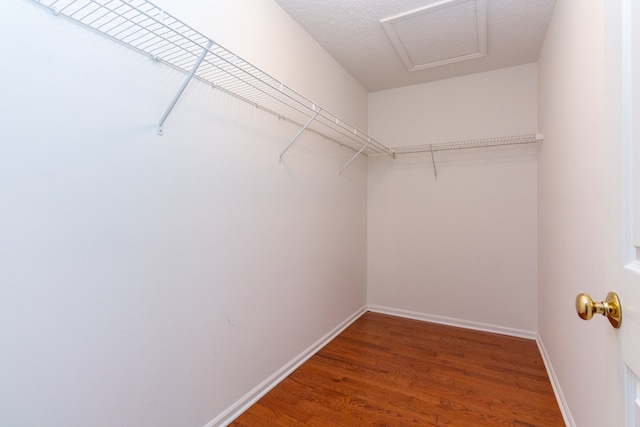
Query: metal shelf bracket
[[295, 138], [183, 87], [433, 161], [354, 157]]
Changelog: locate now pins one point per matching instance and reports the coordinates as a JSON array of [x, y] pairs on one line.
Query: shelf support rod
[[184, 86], [354, 157], [295, 138], [433, 160]]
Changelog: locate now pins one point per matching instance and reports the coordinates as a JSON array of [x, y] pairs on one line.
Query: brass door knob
[[610, 308]]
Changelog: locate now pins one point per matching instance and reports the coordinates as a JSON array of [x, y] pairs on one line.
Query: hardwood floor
[[390, 371]]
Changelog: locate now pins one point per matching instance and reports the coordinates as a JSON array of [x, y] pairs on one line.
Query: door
[[625, 219]]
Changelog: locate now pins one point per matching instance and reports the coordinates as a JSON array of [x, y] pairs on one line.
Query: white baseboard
[[231, 413], [557, 390], [477, 326]]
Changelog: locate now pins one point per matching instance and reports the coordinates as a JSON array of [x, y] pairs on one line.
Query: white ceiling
[[442, 39]]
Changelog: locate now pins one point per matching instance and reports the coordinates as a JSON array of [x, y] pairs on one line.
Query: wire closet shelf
[[474, 143], [463, 145], [145, 27]]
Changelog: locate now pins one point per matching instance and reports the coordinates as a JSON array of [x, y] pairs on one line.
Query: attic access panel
[[441, 33]]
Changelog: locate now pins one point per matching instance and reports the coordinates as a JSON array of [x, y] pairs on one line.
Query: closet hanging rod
[[143, 26]]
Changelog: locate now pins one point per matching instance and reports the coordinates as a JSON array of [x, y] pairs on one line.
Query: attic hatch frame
[[148, 29]]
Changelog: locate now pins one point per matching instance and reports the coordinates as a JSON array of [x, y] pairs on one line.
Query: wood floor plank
[[390, 371]]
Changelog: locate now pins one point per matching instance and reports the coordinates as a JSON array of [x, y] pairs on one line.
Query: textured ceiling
[[352, 32]]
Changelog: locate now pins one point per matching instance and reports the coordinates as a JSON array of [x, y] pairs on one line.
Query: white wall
[[150, 280], [462, 247], [574, 201]]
